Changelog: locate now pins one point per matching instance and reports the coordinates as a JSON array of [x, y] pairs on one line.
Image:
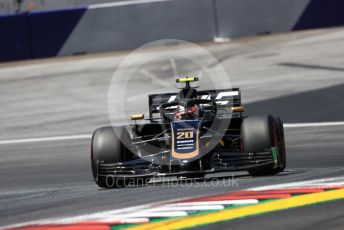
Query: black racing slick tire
[[260, 133], [281, 145], [106, 147]]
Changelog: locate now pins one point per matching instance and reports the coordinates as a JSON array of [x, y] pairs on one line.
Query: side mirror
[[238, 109], [135, 117]]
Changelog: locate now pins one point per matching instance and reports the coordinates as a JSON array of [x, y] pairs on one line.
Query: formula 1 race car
[[188, 134]]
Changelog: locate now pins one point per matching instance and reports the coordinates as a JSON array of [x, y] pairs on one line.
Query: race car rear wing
[[223, 98]]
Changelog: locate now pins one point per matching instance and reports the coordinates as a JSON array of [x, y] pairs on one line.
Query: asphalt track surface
[[297, 76]]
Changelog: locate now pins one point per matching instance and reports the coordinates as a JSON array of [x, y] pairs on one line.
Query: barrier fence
[[130, 24]]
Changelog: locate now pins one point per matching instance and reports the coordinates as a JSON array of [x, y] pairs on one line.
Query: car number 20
[[185, 135]]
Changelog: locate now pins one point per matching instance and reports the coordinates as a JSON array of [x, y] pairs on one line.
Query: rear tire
[[260, 133]]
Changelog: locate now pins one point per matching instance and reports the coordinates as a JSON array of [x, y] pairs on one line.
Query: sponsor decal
[[222, 98], [185, 139]]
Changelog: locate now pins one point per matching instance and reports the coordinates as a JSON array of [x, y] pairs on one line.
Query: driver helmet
[[180, 112]]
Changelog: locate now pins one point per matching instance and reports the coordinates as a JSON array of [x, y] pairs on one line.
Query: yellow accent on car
[[238, 109], [187, 79], [137, 117]]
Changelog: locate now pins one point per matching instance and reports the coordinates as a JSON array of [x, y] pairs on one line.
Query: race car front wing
[[220, 162]]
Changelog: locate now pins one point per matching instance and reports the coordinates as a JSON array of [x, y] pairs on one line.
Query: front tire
[[106, 147], [260, 133]]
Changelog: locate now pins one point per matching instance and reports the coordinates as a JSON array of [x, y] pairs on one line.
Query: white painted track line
[[42, 139], [150, 214], [169, 208], [88, 136], [313, 124], [123, 220], [218, 202], [122, 3], [324, 182]]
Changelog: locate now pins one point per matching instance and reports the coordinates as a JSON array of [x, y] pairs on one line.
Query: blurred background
[[17, 6], [46, 28]]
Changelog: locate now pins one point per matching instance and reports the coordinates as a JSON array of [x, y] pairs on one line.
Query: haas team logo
[[220, 97]]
